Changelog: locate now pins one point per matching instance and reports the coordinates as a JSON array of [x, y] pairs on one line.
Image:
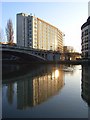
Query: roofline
[[41, 20], [86, 23]]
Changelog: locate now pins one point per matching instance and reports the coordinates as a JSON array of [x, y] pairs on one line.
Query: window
[[86, 32], [30, 38], [30, 20]]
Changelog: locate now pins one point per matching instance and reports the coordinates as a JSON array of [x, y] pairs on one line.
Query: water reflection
[[36, 92], [10, 93], [86, 86], [35, 87]]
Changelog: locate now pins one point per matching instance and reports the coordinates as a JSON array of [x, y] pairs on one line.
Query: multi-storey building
[[86, 39], [36, 33], [68, 49]]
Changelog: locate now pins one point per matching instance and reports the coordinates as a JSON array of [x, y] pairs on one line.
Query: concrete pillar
[[44, 55], [56, 56], [50, 56]]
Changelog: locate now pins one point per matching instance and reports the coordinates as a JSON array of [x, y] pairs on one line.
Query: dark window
[[86, 54], [86, 32]]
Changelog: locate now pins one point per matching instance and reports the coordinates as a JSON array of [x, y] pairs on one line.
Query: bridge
[[71, 55], [18, 53]]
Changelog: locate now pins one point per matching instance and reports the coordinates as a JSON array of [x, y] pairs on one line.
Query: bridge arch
[[22, 56]]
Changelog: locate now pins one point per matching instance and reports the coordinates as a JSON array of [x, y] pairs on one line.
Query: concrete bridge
[[71, 55], [15, 53]]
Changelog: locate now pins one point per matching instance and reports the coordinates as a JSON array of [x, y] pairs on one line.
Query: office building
[[38, 34], [85, 37]]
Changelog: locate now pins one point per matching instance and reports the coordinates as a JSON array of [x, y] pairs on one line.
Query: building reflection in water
[[37, 86], [10, 92], [86, 86]]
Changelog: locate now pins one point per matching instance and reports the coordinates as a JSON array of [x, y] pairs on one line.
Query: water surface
[[45, 91]]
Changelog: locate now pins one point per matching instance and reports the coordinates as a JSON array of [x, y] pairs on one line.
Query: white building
[[36, 33], [86, 39]]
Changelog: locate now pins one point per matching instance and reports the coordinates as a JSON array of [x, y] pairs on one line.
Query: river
[[48, 91]]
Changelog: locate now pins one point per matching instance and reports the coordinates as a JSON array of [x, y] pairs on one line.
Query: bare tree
[[9, 31]]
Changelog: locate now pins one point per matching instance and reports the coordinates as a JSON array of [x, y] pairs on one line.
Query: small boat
[[68, 69]]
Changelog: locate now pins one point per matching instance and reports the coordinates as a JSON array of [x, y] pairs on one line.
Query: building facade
[[68, 49], [85, 37], [36, 33]]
